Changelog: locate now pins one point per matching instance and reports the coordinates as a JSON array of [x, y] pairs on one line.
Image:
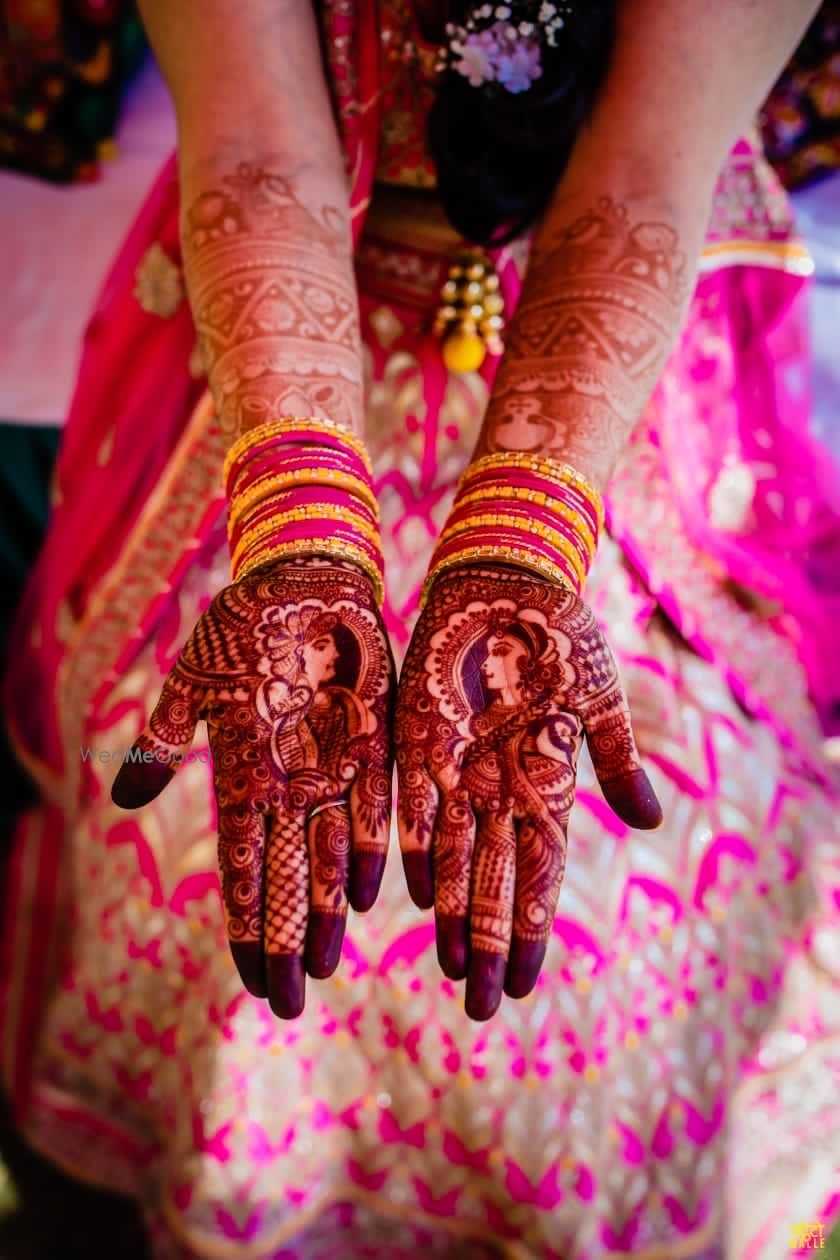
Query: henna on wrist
[[504, 675], [602, 301], [272, 290]]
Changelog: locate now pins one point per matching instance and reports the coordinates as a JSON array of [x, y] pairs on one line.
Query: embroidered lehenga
[[670, 1088]]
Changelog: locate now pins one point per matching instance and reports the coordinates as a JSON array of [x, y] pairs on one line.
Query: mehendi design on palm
[[504, 674], [292, 671]]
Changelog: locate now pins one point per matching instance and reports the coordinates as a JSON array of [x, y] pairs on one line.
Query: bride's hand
[[503, 676], [292, 671]]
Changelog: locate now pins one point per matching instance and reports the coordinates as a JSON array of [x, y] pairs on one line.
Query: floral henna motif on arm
[[602, 302], [504, 675], [292, 671], [273, 296]]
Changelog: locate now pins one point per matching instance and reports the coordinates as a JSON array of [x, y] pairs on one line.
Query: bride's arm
[[616, 255], [268, 258], [265, 220]]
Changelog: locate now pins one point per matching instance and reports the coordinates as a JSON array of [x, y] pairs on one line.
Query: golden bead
[[493, 304], [474, 291], [449, 292], [463, 352]]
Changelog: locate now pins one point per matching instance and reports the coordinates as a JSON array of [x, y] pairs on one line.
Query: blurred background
[[85, 124]]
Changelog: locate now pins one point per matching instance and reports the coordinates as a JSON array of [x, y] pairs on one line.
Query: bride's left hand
[[504, 674]]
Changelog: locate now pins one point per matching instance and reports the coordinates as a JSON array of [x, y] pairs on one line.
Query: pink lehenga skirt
[[670, 1089]]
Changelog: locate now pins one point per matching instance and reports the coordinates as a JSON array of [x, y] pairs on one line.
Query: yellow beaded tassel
[[469, 317]]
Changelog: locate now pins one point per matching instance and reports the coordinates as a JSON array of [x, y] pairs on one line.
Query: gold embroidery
[[158, 285]]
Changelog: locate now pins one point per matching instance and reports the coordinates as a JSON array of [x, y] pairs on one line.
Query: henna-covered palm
[[504, 674], [292, 671]]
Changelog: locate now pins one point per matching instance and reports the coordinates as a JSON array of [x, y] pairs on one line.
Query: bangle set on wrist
[[529, 510], [302, 486]]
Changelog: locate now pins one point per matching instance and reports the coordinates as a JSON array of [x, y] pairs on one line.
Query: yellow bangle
[[241, 504], [318, 511], [547, 465], [500, 521], [487, 553], [333, 549], [539, 497], [291, 424]]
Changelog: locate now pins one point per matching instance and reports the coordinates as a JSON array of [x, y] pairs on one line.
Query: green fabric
[[27, 459]]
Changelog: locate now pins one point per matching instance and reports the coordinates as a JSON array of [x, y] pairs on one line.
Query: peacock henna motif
[[504, 675], [273, 296], [291, 669], [600, 307]]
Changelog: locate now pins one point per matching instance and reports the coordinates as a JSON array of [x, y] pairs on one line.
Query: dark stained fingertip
[[485, 978], [286, 984], [136, 785], [324, 937], [453, 945], [523, 969], [417, 865], [250, 963], [366, 870], [632, 797]]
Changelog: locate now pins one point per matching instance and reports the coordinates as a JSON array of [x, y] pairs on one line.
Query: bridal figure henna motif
[[292, 671], [273, 296], [503, 675]]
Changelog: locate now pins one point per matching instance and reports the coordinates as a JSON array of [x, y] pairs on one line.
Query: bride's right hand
[[292, 670]]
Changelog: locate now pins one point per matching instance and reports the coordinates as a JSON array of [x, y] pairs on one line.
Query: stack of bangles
[[527, 510], [302, 486]]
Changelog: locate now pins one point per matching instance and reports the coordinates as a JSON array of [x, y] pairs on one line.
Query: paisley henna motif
[[292, 672], [504, 675]]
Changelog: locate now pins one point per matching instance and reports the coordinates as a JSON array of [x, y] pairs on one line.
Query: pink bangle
[[521, 482], [312, 437], [503, 541], [313, 497], [308, 539], [294, 459], [532, 520]]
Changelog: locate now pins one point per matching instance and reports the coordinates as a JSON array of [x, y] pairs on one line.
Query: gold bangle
[[487, 553], [287, 506], [323, 511], [291, 424], [500, 521], [544, 464], [557, 506], [240, 504], [331, 549]]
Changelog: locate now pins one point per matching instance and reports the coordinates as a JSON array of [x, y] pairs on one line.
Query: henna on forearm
[[269, 270], [602, 302]]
